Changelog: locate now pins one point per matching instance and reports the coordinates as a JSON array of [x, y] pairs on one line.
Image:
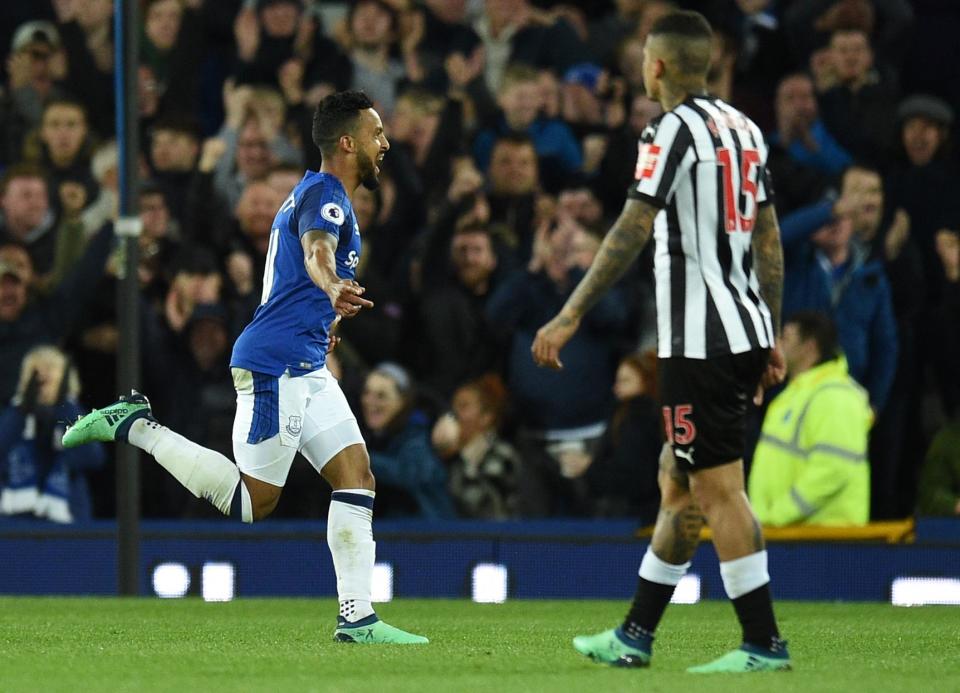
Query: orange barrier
[[888, 532]]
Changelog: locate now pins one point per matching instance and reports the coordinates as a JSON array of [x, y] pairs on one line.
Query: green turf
[[52, 644]]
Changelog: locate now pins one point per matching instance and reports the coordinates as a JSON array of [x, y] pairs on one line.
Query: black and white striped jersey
[[705, 164]]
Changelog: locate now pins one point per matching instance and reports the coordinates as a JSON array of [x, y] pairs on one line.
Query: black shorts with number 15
[[704, 406]]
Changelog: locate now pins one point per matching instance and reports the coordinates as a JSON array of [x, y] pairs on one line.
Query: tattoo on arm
[[768, 261], [619, 249]]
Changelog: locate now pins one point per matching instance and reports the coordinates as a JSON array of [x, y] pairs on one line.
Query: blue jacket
[[860, 302], [21, 460], [406, 460], [829, 156], [552, 138]]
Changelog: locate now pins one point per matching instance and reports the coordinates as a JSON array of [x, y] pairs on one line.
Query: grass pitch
[[57, 644]]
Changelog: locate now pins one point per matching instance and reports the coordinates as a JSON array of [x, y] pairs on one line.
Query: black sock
[[647, 609], [755, 611]]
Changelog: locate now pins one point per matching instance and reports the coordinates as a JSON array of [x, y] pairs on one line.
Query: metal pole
[[128, 321]]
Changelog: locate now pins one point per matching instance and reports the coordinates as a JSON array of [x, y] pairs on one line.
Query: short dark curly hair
[[337, 115]]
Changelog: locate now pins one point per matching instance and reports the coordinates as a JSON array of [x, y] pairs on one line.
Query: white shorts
[[277, 417]]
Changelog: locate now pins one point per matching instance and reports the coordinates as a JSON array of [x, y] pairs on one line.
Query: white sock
[[654, 569], [205, 473], [350, 538], [743, 575]]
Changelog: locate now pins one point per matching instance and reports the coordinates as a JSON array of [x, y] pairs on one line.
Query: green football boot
[[747, 659], [112, 423], [372, 631], [611, 647]]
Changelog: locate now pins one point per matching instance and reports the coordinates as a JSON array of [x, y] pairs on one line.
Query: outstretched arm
[[319, 257], [618, 251]]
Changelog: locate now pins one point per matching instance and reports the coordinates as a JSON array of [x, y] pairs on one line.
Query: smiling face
[[922, 138], [381, 401]]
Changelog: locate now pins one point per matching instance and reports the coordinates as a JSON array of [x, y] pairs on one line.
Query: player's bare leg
[[719, 492], [675, 538], [350, 538], [263, 496]]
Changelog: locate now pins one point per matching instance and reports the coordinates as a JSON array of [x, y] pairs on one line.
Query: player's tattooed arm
[[768, 261], [619, 249], [626, 238], [319, 258]]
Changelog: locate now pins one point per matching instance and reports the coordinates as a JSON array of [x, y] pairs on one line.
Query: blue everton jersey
[[290, 328]]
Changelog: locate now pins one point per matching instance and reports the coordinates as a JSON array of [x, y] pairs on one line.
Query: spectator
[[801, 134], [513, 31], [559, 412], [944, 349], [445, 34], [373, 32], [810, 466], [255, 213], [27, 218], [253, 140], [430, 130], [86, 29], [885, 235], [925, 180], [519, 99], [607, 31], [407, 470], [456, 343], [856, 108], [171, 49], [159, 239], [482, 466], [62, 146], [38, 478], [620, 158], [622, 475], [940, 476], [514, 185], [174, 151], [105, 207], [265, 34], [887, 21], [36, 62], [825, 271], [191, 367]]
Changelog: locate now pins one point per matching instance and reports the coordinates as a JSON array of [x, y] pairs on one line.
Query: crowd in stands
[[514, 127]]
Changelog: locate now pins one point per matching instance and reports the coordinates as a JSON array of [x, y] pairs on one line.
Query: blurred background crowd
[[514, 127]]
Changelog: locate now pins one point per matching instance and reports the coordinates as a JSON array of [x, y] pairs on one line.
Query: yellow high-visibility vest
[[811, 466]]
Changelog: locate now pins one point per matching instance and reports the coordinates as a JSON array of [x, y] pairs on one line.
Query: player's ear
[[348, 143], [659, 68]]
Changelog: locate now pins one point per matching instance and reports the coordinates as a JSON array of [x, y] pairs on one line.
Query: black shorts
[[704, 406]]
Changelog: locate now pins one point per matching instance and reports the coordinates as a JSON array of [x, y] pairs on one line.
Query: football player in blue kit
[[287, 400]]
